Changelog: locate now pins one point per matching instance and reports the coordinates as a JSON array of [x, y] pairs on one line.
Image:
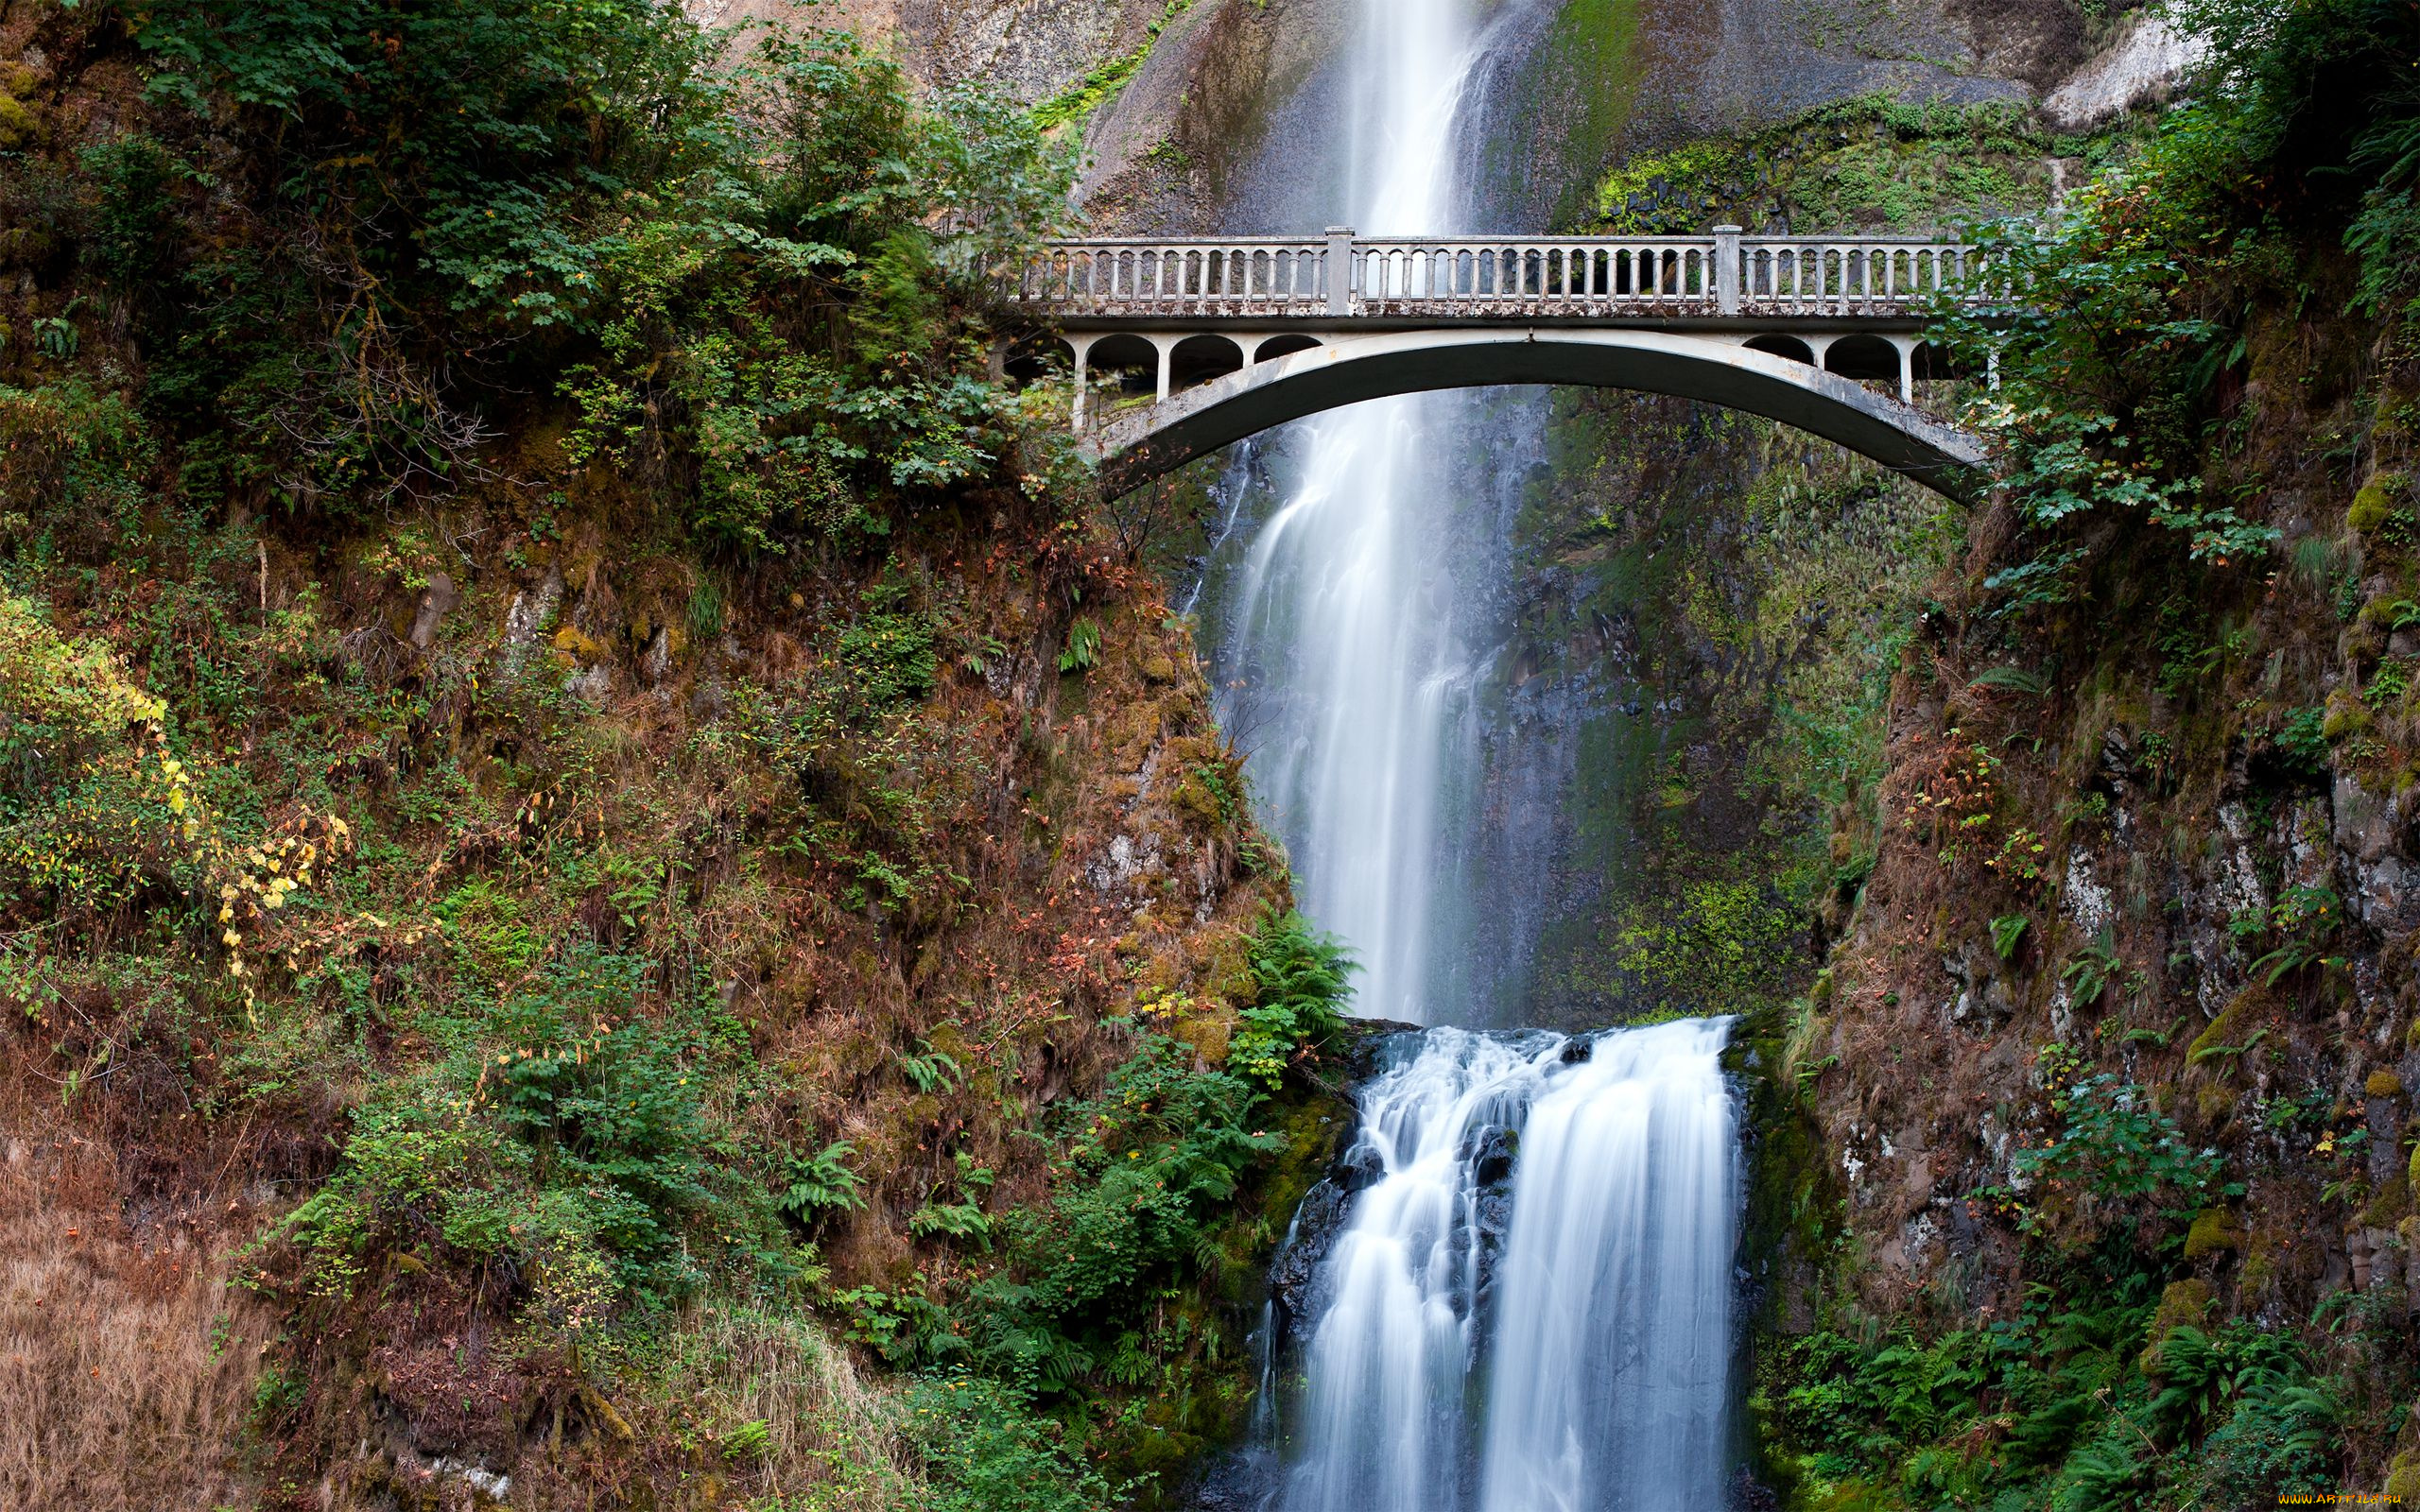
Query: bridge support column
[[1906, 348], [1726, 269], [1340, 270], [1083, 346], [1165, 347]]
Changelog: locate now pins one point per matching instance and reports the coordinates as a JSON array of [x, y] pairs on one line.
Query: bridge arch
[[1142, 444]]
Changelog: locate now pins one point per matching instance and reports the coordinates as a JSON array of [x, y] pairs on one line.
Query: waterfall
[[1526, 1305], [1609, 1379], [1569, 1354], [1347, 605]]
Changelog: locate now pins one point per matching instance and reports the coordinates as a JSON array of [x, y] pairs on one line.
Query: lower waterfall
[[1527, 1305]]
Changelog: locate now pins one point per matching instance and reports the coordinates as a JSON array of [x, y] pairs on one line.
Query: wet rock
[[1491, 1153], [529, 614], [2149, 62], [2084, 898], [1122, 861], [436, 600], [1295, 1275], [1359, 1168]]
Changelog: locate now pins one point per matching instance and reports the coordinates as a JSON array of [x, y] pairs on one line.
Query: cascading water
[[1609, 1375], [1555, 1339], [1347, 584], [1569, 1356]]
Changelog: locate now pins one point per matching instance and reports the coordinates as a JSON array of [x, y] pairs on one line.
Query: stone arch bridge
[[1213, 340]]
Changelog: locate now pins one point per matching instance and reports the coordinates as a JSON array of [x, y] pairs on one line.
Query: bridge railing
[[1341, 275]]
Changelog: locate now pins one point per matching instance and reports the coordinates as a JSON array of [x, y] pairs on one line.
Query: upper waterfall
[[1345, 632]]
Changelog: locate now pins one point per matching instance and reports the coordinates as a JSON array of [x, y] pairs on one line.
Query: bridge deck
[[1408, 281]]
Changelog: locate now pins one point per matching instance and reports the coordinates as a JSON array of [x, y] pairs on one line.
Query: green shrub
[[558, 1126], [2115, 1144], [984, 1449], [1301, 980]]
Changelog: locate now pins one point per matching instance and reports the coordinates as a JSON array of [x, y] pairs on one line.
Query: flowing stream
[[1526, 1306]]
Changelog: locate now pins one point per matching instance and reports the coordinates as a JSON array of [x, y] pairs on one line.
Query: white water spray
[[1609, 1379]]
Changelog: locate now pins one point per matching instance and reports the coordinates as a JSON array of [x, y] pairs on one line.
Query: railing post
[[1726, 269], [1340, 270]]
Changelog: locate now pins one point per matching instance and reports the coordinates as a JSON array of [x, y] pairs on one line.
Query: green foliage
[[1142, 1172], [2007, 930], [2057, 1405], [1301, 979], [821, 1185], [1872, 162], [2092, 968], [2302, 924], [1081, 99], [1082, 649], [930, 1070], [1715, 948], [2115, 1144], [985, 1449], [70, 451], [2109, 361], [765, 257], [2302, 740], [558, 1132]]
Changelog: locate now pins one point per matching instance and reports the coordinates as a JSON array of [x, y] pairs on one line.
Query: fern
[[822, 1183], [931, 1070], [2016, 679], [2093, 969]]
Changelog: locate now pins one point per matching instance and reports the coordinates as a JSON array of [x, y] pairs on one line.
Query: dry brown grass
[[824, 1428], [739, 1407], [125, 1363]]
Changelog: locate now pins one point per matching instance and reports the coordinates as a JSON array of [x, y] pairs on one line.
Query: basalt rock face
[[1029, 50]]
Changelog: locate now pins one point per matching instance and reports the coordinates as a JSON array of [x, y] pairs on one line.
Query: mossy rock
[[1207, 1029], [2403, 1477], [18, 126], [2384, 1084], [2390, 1204], [2184, 1304], [2259, 1271], [2240, 1011], [572, 641], [2346, 714], [2375, 507], [2214, 1232]]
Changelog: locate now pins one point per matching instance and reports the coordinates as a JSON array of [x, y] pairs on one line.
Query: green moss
[[1585, 88], [2390, 1204], [2183, 1305], [2403, 1478], [2214, 1232], [2375, 508], [2347, 716], [1098, 88], [1872, 162], [18, 127]]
